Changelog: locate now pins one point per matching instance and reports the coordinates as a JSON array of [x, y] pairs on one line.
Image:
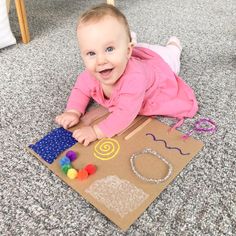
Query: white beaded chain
[[150, 180]]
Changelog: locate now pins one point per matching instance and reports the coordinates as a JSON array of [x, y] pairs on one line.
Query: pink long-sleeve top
[[147, 87]]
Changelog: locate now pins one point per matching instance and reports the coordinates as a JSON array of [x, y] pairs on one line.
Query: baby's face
[[105, 49]]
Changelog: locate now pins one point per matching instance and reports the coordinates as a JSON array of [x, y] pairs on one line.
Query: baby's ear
[[130, 49]]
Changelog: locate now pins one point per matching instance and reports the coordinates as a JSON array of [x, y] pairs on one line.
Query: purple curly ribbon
[[198, 127], [168, 147]]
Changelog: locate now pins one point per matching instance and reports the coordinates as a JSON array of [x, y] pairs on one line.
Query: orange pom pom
[[82, 174]]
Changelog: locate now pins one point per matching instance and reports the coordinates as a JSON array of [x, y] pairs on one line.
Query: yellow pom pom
[[72, 173]]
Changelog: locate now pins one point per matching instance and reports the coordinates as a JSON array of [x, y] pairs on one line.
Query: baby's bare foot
[[175, 42]]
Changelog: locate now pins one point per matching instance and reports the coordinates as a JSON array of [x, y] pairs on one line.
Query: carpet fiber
[[36, 80]]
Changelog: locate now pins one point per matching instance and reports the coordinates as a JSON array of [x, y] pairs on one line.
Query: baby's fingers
[[78, 136], [62, 122], [66, 123], [86, 142], [72, 123], [58, 120]]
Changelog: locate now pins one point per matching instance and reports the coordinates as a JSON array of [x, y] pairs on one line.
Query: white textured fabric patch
[[118, 195], [6, 36]]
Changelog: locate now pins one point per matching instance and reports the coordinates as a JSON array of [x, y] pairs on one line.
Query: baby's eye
[[109, 49], [91, 54]]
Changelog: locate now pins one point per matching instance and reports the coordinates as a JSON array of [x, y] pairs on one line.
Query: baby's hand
[[68, 119], [85, 135]]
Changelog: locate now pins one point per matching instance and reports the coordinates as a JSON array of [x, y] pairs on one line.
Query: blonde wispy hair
[[98, 12]]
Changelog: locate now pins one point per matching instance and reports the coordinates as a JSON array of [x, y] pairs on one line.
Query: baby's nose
[[101, 59]]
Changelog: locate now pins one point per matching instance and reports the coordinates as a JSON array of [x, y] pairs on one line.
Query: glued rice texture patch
[[119, 196]]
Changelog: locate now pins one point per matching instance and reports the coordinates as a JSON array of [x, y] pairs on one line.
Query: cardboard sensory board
[[119, 169]]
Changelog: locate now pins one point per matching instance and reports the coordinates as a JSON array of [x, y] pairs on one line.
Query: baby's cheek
[[89, 63]]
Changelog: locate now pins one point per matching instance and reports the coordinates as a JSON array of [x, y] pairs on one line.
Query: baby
[[126, 79]]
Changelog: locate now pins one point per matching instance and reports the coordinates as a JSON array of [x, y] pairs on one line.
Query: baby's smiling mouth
[[105, 73]]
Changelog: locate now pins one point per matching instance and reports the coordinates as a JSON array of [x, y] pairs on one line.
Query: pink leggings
[[170, 54]]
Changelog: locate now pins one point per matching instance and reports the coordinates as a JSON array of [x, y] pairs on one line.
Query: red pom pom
[[90, 168]]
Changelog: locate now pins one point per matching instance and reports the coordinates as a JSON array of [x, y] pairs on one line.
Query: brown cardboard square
[[119, 166]]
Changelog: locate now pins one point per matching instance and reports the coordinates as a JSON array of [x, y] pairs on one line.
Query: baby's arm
[[93, 114], [77, 102], [68, 118], [126, 108]]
